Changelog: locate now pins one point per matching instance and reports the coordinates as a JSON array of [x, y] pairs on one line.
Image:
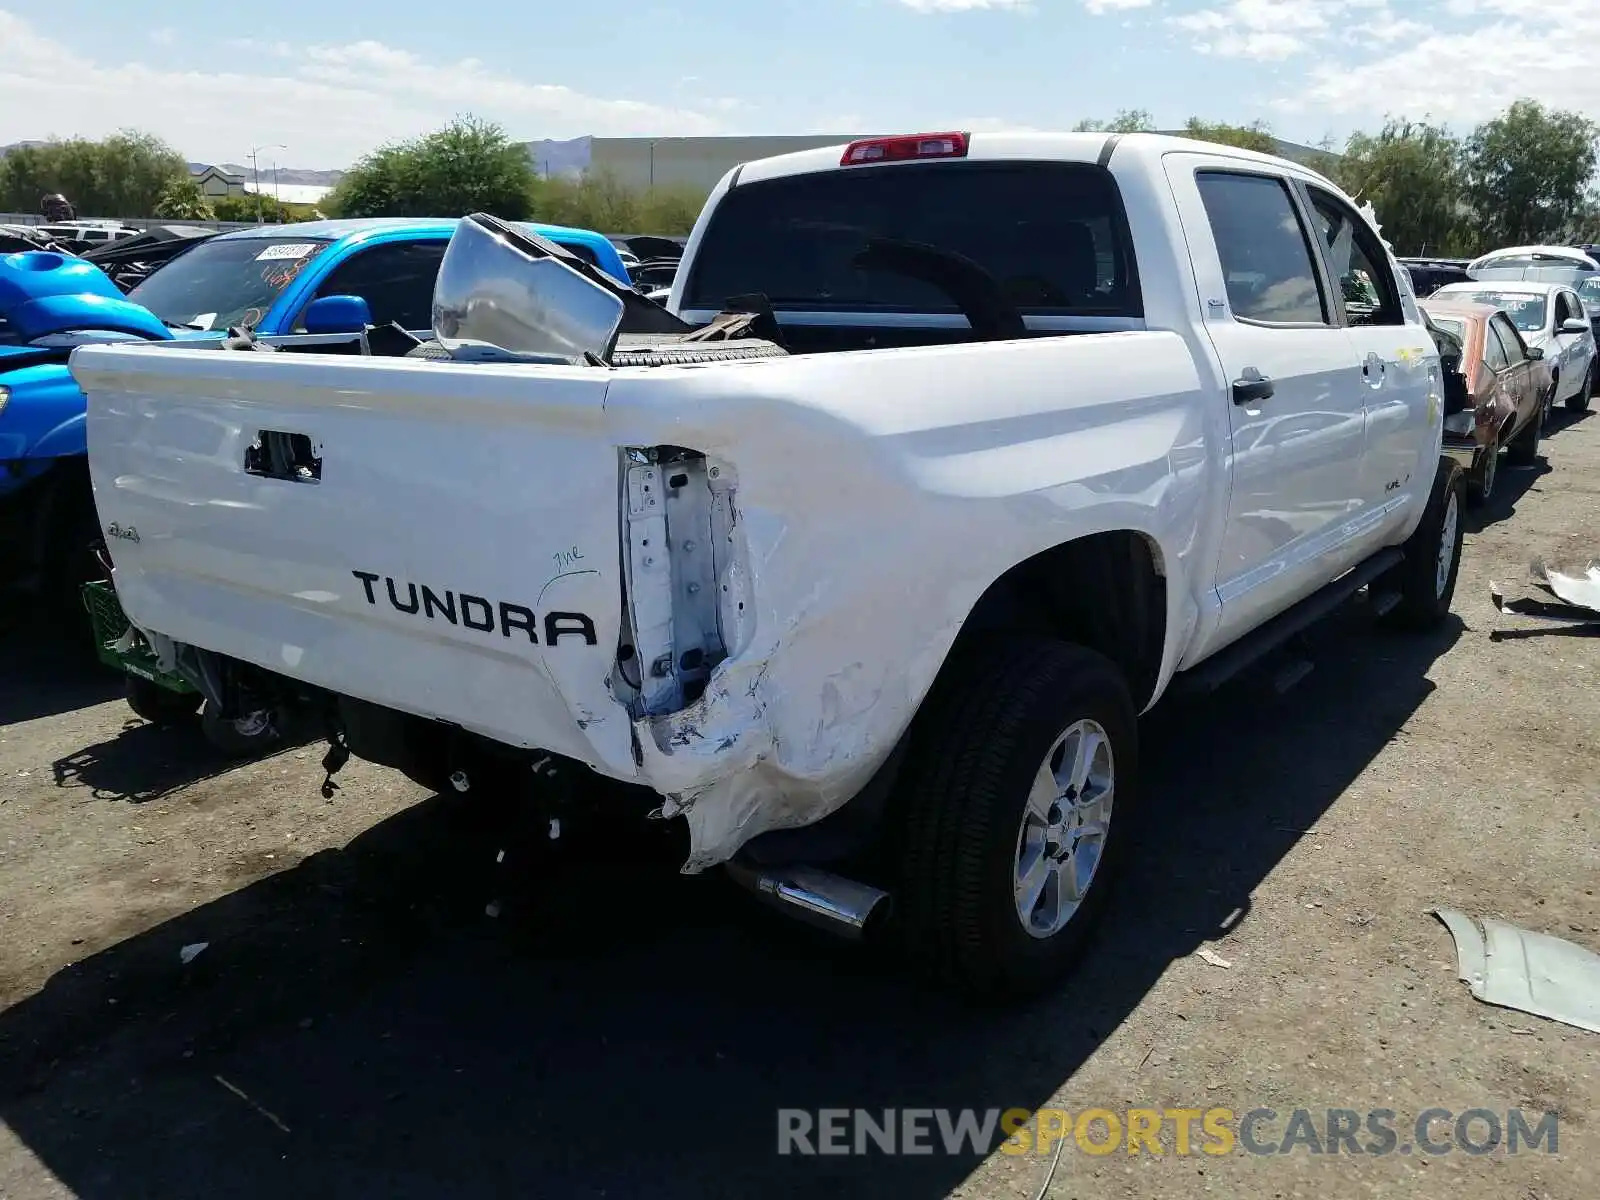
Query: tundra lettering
[[477, 613]]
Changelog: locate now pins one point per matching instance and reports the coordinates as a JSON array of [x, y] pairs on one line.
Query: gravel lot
[[359, 1027]]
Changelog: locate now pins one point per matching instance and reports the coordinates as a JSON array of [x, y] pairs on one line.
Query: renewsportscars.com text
[[1162, 1131]]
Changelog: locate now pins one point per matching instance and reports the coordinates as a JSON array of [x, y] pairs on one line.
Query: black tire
[[1579, 400], [1523, 450], [1423, 603], [70, 560], [248, 737], [1485, 473], [961, 803], [159, 705]]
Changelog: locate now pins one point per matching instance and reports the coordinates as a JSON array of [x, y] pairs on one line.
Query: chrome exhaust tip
[[845, 907]]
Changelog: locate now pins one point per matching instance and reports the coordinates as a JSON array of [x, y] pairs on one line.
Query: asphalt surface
[[358, 1026]]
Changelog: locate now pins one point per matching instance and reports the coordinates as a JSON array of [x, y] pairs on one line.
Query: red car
[[1506, 380]]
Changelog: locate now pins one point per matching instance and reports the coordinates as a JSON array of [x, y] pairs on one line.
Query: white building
[[289, 193], [698, 162], [695, 163]]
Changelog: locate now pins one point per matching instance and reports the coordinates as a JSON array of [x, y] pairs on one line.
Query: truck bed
[[479, 540]]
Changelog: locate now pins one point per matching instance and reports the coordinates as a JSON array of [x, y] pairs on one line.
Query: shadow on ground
[[44, 673], [1511, 486], [145, 762], [358, 1027]]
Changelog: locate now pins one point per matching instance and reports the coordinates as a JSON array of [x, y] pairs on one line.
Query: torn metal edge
[[1470, 950]]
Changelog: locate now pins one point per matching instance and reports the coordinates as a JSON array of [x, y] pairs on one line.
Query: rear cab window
[[1053, 235]]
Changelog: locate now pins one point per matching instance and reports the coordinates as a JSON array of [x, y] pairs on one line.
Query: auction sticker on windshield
[[288, 250]]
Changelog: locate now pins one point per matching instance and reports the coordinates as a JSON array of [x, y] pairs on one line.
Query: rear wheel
[[1485, 473], [1024, 773], [159, 705], [1579, 400], [250, 735], [71, 559], [1426, 578], [1523, 450]]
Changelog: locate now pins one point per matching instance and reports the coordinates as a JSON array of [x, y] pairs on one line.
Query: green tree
[[182, 200], [1411, 172], [468, 166], [1127, 120], [248, 207], [122, 176], [1254, 136], [600, 201], [1528, 173]]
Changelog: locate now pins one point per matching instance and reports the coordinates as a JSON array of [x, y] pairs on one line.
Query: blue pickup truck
[[316, 281]]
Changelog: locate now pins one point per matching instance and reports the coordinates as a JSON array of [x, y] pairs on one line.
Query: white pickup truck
[[875, 618]]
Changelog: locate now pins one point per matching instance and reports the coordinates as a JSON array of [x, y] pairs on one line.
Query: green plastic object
[[110, 625]]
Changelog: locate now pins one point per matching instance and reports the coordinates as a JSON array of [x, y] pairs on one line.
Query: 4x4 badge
[[129, 534]]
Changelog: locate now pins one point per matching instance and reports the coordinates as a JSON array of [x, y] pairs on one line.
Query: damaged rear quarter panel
[[879, 494]]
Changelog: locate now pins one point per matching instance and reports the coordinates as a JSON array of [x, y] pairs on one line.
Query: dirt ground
[[357, 1026]]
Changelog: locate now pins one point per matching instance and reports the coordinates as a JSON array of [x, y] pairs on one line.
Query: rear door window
[[1266, 258], [1497, 345], [1052, 234], [394, 278]]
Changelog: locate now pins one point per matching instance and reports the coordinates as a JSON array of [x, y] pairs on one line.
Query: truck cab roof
[[998, 146]]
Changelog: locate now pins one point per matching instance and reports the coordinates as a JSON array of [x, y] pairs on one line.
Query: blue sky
[[331, 79]]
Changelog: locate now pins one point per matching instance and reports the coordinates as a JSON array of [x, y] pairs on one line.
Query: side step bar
[[1257, 644]]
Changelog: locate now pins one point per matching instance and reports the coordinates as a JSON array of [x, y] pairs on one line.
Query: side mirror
[[1535, 353], [338, 314], [1573, 325]]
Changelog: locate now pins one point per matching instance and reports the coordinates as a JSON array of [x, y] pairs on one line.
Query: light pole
[[653, 163], [255, 171]]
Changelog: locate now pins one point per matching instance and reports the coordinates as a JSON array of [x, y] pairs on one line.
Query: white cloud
[[1268, 30], [1264, 47], [1100, 7], [1548, 61], [1260, 16], [962, 5], [1388, 28], [329, 104]]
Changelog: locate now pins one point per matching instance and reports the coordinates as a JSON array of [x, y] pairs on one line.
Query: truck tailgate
[[458, 556]]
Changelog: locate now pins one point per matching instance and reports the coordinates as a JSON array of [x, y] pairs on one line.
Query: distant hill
[[567, 157], [287, 175]]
